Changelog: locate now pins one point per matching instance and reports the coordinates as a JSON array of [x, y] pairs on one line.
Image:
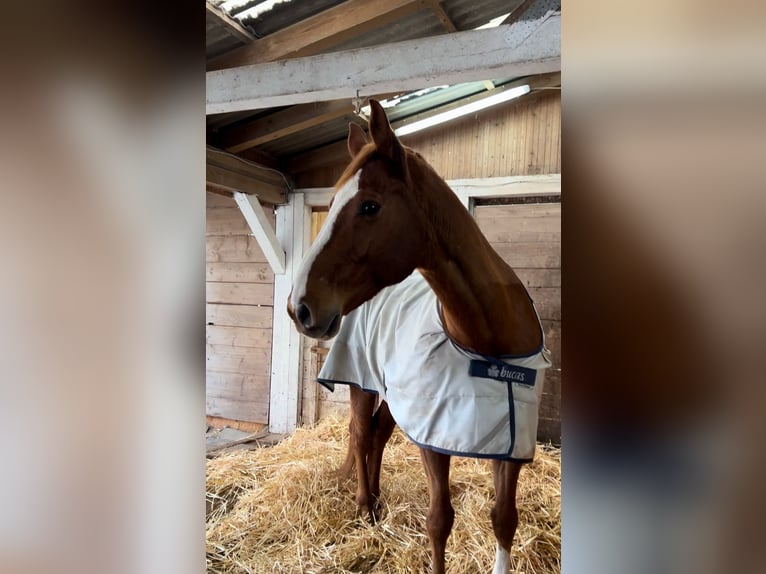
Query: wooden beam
[[212, 188], [437, 8], [474, 188], [319, 32], [262, 231], [283, 123], [513, 186], [454, 58], [531, 10], [227, 172], [235, 28], [332, 153]]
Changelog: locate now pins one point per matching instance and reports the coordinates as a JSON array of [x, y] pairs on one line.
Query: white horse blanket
[[442, 396]]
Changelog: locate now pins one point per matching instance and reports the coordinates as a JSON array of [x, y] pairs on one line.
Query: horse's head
[[371, 237]]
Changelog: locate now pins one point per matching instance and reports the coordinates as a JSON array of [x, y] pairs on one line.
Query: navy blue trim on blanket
[[512, 412], [327, 382], [507, 457], [512, 421]]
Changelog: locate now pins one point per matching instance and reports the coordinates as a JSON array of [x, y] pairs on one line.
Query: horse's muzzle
[[312, 326]]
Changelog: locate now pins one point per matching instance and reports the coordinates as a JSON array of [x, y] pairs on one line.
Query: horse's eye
[[369, 208]]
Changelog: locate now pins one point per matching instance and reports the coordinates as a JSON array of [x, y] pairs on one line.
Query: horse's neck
[[484, 304]]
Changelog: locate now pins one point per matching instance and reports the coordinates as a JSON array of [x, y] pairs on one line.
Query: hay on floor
[[282, 509]]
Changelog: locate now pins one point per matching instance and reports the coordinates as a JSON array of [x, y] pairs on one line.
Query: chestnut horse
[[393, 214]]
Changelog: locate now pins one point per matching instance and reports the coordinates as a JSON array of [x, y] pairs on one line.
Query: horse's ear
[[385, 140], [356, 139]]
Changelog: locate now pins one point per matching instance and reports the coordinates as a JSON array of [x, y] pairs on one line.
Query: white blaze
[[344, 195]]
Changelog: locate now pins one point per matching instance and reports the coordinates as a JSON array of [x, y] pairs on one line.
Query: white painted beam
[[287, 345], [520, 49], [267, 240], [516, 186], [469, 189]]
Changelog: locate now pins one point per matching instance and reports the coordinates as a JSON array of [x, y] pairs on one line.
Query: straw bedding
[[283, 509]]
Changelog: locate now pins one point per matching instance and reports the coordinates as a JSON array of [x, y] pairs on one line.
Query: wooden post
[[287, 346]]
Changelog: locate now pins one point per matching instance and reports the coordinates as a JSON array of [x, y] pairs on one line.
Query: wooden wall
[[518, 138], [239, 310], [528, 238]]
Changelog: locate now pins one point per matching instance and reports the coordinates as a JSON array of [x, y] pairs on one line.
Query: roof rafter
[[235, 28], [283, 123], [319, 32], [438, 9], [226, 172]]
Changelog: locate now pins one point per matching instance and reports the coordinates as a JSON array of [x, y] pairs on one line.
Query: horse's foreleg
[[382, 427], [504, 515], [344, 472], [362, 407], [441, 515]]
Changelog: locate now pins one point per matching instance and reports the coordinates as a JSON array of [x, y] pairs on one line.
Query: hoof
[[371, 513]]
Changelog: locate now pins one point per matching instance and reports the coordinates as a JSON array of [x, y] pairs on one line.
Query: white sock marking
[[344, 195], [502, 561]]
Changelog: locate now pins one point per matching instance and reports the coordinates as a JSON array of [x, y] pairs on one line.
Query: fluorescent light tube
[[463, 110]]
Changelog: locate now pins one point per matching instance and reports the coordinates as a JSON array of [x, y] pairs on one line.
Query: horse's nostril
[[304, 315]]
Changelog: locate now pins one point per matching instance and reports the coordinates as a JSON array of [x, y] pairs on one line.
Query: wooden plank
[[233, 181], [215, 200], [550, 407], [238, 336], [240, 293], [319, 32], [524, 254], [517, 12], [317, 221], [519, 211], [495, 223], [520, 231], [251, 411], [283, 123], [438, 10], [238, 164], [235, 28], [235, 173], [238, 315], [552, 385], [243, 386], [410, 65], [552, 331], [246, 426], [539, 277], [239, 360], [239, 272], [233, 249], [547, 301], [226, 221], [333, 409]]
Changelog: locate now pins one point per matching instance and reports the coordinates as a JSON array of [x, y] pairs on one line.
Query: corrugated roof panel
[[311, 138], [283, 14], [218, 37]]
